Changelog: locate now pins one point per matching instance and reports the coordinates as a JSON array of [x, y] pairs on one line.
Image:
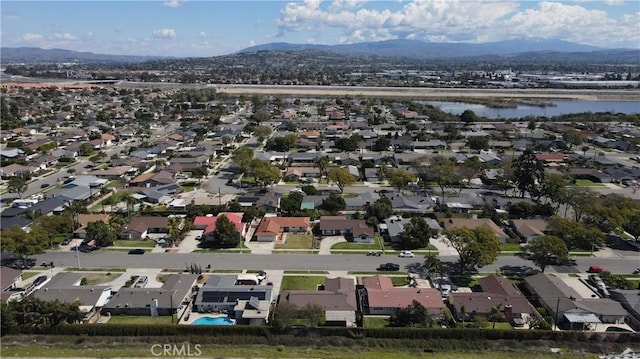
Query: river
[[560, 107]]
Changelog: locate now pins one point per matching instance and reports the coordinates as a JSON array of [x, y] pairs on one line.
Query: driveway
[[119, 282], [327, 242], [190, 243], [443, 247], [254, 246]]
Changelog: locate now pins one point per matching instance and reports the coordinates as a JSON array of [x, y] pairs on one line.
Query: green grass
[[284, 251], [27, 275], [125, 250], [131, 319], [362, 246], [587, 183], [132, 243], [54, 346], [306, 272], [375, 322], [511, 247], [388, 274], [301, 282], [296, 241], [399, 281], [75, 269], [501, 325], [98, 278]]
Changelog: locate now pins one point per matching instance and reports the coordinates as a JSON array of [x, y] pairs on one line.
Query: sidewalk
[[443, 247]]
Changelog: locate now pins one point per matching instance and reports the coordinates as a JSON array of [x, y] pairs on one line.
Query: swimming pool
[[224, 320]]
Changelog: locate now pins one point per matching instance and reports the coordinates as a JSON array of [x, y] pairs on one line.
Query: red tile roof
[[273, 225], [382, 294], [209, 222]]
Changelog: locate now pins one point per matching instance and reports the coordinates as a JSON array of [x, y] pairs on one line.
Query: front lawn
[[98, 278], [587, 183], [511, 247], [301, 282], [296, 241], [134, 243], [375, 246]]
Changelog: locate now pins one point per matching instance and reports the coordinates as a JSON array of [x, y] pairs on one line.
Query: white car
[[406, 254]]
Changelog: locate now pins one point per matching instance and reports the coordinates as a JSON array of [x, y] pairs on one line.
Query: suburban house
[[354, 230], [172, 298], [472, 223], [497, 292], [417, 204], [337, 297], [152, 179], [140, 227], [66, 287], [572, 309], [85, 219], [208, 224], [247, 303], [9, 279], [630, 301], [271, 227], [528, 229], [382, 298], [362, 202]]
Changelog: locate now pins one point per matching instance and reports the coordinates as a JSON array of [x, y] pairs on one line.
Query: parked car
[[445, 290], [142, 282], [262, 275], [137, 251], [41, 279], [595, 269], [389, 267], [65, 241], [44, 185], [406, 254]]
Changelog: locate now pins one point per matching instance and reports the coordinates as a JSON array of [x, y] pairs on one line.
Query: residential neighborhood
[[210, 210]]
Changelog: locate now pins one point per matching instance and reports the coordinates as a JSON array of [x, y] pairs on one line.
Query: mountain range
[[408, 49]]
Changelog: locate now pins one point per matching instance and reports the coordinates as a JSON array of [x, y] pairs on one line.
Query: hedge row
[[272, 334]]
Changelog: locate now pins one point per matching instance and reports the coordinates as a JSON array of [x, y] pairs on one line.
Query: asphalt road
[[350, 262]]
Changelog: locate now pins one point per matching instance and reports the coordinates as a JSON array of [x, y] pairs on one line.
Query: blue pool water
[[213, 321]]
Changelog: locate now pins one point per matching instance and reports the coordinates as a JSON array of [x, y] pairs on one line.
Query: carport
[[579, 319]]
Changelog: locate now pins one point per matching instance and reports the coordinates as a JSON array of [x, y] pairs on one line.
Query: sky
[[200, 28]]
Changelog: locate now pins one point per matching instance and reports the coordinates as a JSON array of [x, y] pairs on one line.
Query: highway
[[341, 262]]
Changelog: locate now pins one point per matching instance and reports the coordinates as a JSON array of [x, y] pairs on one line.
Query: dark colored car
[[137, 251], [44, 185], [41, 279], [389, 267], [65, 241]]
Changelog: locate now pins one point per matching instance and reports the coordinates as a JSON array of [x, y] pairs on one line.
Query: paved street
[[345, 262]]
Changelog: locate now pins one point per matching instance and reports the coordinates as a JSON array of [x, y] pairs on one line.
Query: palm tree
[[496, 315], [322, 163]]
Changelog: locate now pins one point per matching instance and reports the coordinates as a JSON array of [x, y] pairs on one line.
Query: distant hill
[[35, 55], [433, 50]]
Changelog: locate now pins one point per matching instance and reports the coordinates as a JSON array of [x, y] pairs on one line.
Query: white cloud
[[614, 2], [169, 34], [31, 37], [173, 3], [203, 34], [252, 43], [65, 36], [458, 21]]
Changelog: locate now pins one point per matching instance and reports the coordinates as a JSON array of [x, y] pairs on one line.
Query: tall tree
[[415, 315], [432, 264], [400, 179], [528, 174], [242, 158], [416, 234], [226, 235], [17, 184], [322, 162], [546, 250], [573, 138], [334, 203], [476, 247], [633, 225], [440, 170], [262, 132], [575, 234], [381, 209], [291, 203], [341, 177], [101, 233], [21, 243]]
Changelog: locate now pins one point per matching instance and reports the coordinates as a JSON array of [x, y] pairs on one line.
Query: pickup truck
[[389, 267]]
